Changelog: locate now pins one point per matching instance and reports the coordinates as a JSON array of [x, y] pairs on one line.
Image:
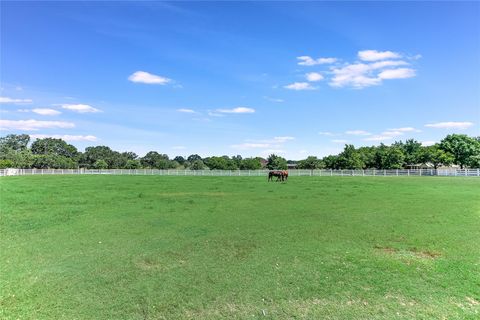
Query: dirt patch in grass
[[410, 253]]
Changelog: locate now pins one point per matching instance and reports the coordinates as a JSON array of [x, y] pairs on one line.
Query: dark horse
[[281, 175]]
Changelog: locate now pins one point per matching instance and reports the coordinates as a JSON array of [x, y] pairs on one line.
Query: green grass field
[[150, 247]]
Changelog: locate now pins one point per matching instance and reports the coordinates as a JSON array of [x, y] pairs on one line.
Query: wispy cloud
[[391, 133], [387, 63], [326, 133], [273, 99], [65, 137], [405, 129], [15, 101], [358, 132], [215, 114], [379, 138], [80, 108], [309, 61], [46, 111], [374, 55], [32, 125], [148, 78], [236, 110], [186, 110], [298, 86], [339, 141], [361, 75], [372, 68], [356, 75], [314, 76], [450, 125], [400, 73], [283, 139]]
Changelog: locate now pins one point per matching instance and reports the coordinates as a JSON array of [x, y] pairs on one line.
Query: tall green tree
[[193, 157], [435, 155], [411, 149], [181, 160], [250, 164], [331, 162], [52, 146], [310, 163], [350, 158], [389, 157], [275, 162], [100, 164], [367, 154], [93, 154], [197, 165], [14, 142], [462, 147]]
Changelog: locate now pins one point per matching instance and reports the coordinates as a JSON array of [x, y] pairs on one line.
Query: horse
[[281, 175]]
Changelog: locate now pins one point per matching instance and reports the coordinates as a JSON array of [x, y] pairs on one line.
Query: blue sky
[[215, 78]]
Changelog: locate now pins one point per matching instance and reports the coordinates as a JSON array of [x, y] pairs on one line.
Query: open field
[[151, 247]]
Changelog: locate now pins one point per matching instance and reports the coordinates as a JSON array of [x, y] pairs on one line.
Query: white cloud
[[14, 101], [31, 125], [391, 133], [378, 138], [80, 108], [358, 132], [450, 125], [387, 63], [326, 133], [273, 99], [237, 110], [65, 137], [428, 143], [339, 141], [400, 73], [215, 114], [300, 86], [405, 129], [374, 55], [314, 76], [309, 61], [283, 139], [46, 111], [148, 78], [356, 75], [360, 75], [186, 110]]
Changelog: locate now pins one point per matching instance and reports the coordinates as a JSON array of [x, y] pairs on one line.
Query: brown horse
[[281, 175]]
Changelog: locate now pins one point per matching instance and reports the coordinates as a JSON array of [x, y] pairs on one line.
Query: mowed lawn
[[152, 247]]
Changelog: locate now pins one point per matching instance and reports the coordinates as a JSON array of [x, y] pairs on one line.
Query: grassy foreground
[[133, 247]]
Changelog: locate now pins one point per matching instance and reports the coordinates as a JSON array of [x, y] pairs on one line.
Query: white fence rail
[[316, 173]]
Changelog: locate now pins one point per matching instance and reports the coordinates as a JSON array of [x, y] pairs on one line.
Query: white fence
[[316, 173]]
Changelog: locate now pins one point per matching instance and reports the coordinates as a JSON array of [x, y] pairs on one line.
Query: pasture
[[152, 247]]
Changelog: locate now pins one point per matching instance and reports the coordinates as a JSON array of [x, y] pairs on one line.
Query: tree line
[[16, 151]]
